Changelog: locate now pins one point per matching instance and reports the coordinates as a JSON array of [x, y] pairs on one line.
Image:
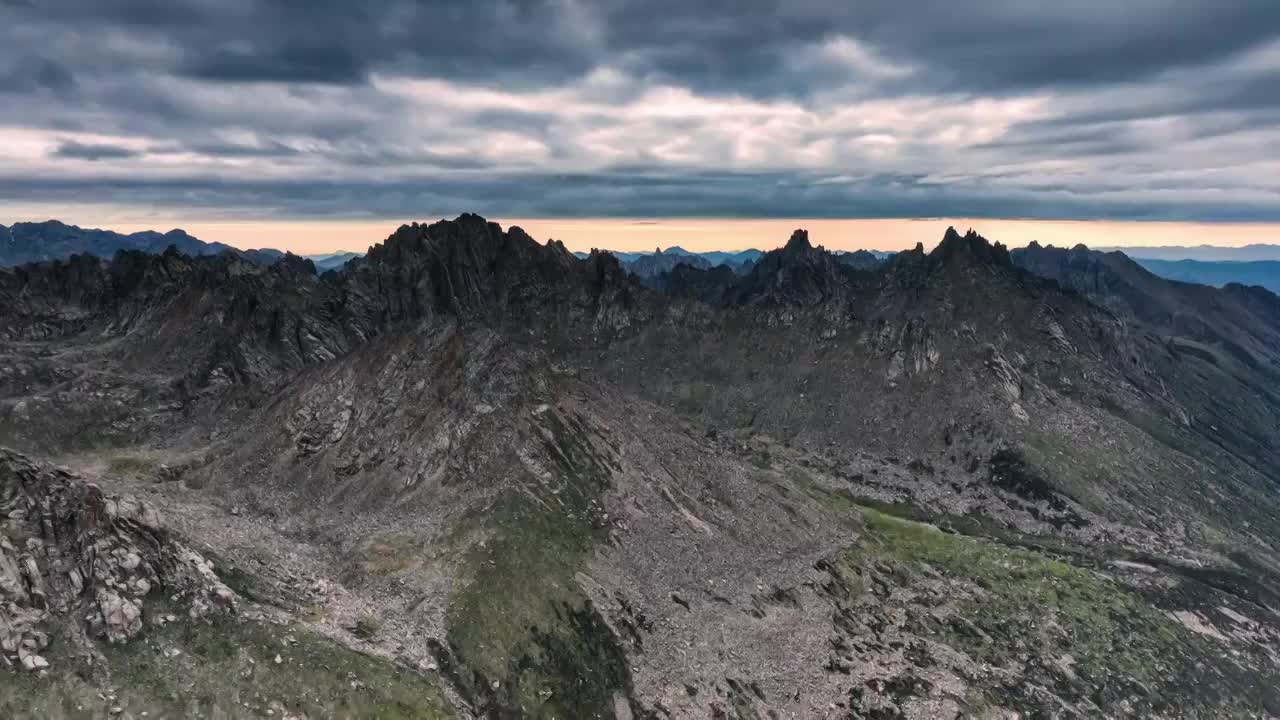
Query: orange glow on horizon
[[704, 234], [700, 235]]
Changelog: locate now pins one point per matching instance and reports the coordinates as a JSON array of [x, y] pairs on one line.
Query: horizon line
[[709, 234]]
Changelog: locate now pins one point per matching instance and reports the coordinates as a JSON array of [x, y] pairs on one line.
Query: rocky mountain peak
[[799, 242], [557, 246], [969, 248], [797, 273], [604, 268], [471, 266], [295, 264]]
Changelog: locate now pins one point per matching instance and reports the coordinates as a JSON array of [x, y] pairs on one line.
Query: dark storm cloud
[[1150, 108], [332, 41], [618, 194], [232, 150], [317, 63], [1009, 44], [741, 46], [34, 74], [93, 151]]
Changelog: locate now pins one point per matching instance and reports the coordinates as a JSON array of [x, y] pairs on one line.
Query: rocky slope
[[1215, 353], [69, 550], [942, 486]]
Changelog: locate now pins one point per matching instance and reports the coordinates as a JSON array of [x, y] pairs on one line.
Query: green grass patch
[[524, 641], [132, 466], [849, 506], [521, 621], [225, 668], [1080, 473], [246, 584], [1031, 610]]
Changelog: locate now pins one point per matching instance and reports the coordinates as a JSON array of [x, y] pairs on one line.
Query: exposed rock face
[[70, 554], [1219, 351], [713, 286], [1236, 315], [798, 273], [971, 248]]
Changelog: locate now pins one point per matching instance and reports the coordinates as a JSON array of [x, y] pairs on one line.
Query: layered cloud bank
[[1145, 110]]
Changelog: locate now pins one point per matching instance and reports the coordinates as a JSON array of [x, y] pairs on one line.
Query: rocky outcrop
[[911, 349], [73, 559], [713, 286], [971, 248], [796, 274]]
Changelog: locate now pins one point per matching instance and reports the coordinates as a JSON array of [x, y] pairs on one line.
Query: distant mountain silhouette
[[28, 242], [1264, 273], [52, 240], [332, 261], [1206, 253]]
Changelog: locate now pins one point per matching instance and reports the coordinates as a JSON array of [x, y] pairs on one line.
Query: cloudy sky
[[255, 114]]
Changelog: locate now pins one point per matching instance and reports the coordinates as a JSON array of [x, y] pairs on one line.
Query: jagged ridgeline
[[472, 474]]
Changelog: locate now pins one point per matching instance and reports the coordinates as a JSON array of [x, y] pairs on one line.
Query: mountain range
[[24, 243], [1201, 253], [1264, 273], [471, 474], [1205, 264]]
